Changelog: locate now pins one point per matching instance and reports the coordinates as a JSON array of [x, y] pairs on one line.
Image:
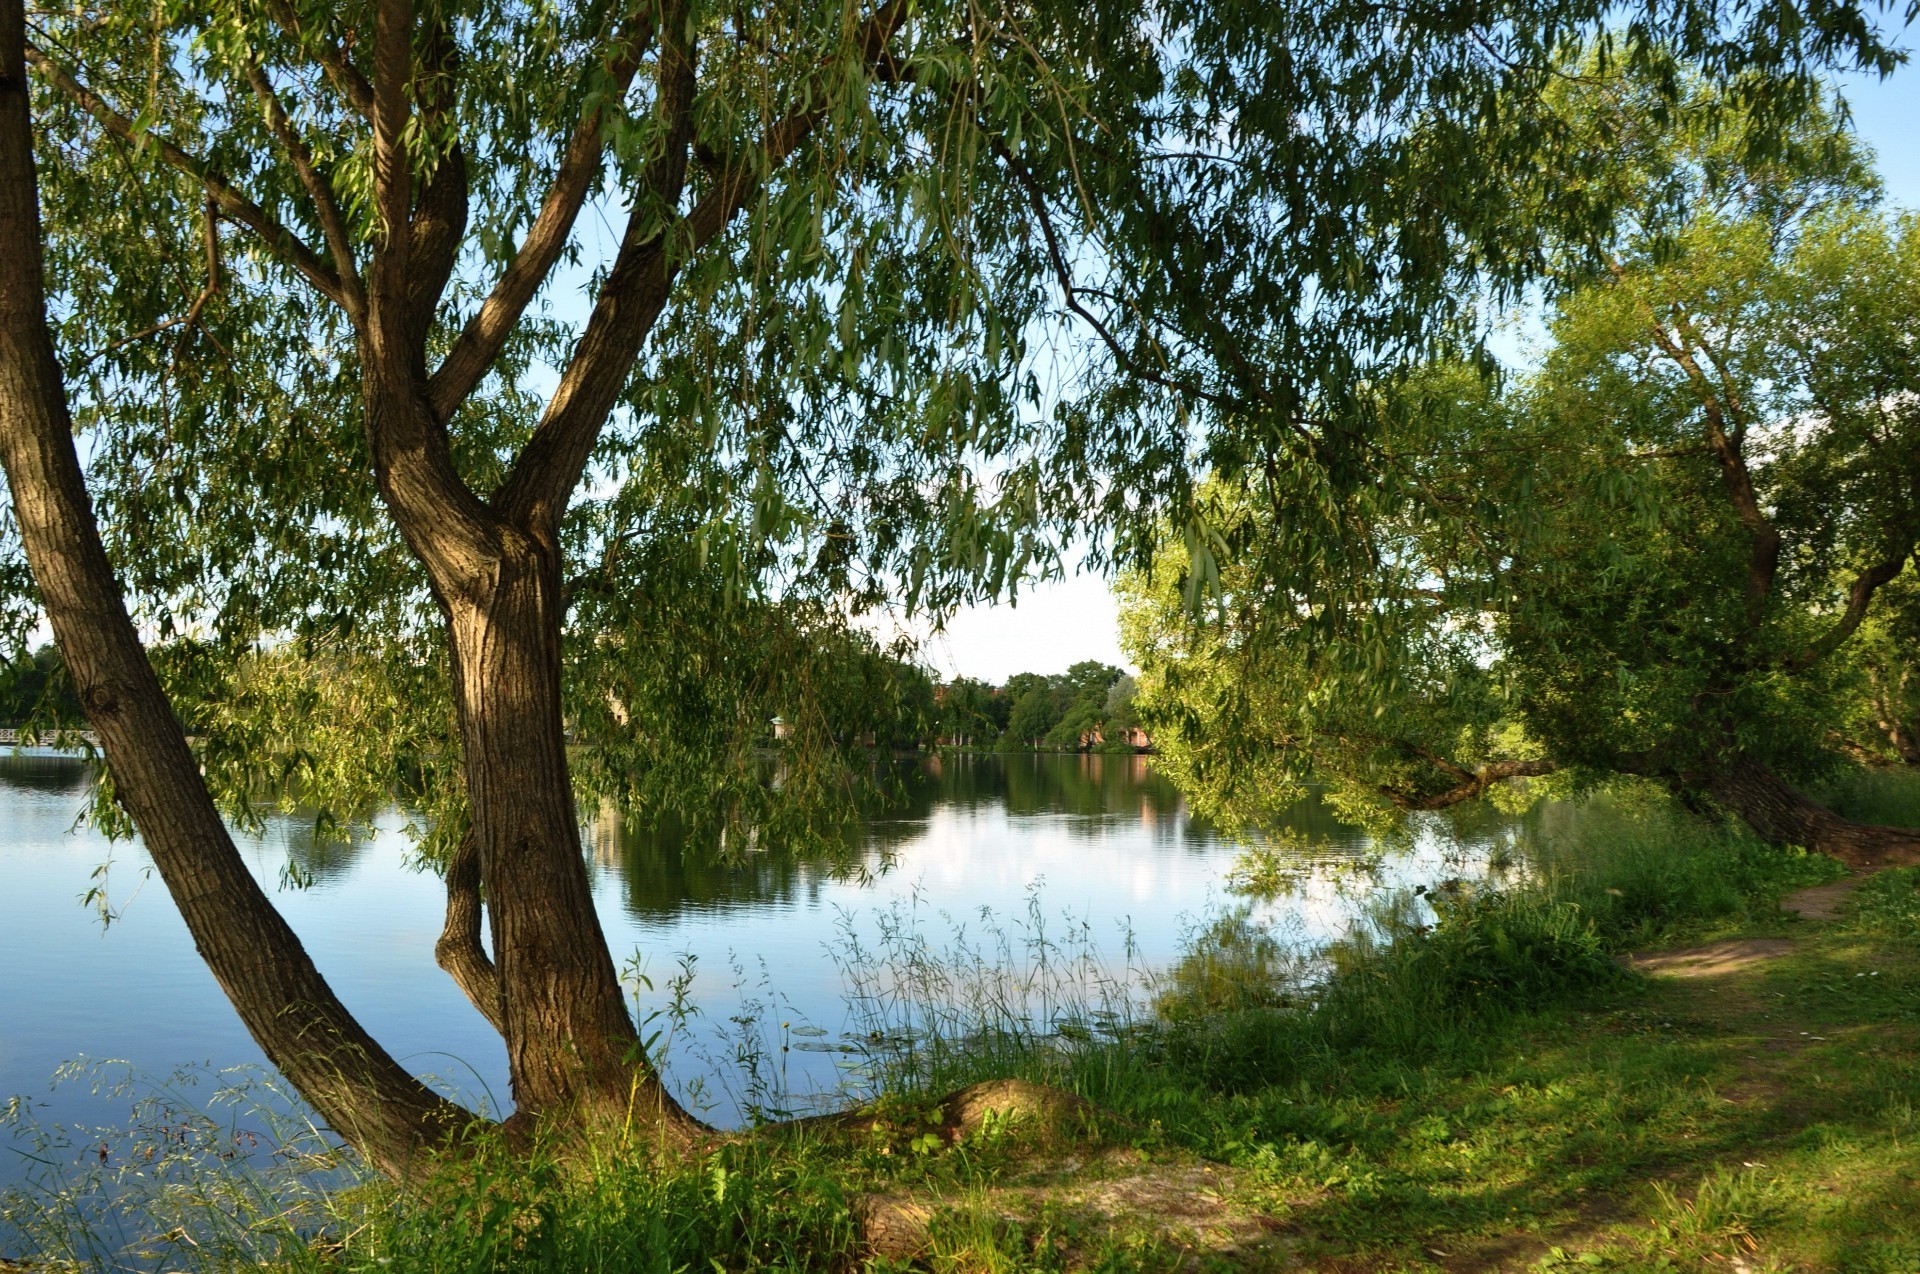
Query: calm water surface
[[1101, 848]]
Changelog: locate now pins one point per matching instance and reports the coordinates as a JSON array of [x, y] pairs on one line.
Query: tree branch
[[333, 60], [326, 207], [234, 205], [1071, 292], [458, 950], [392, 177], [440, 214], [1859, 599], [635, 294], [191, 319], [1475, 785], [1763, 553], [486, 332]]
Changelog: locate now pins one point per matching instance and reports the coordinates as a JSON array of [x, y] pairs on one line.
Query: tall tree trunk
[[574, 1054], [289, 1009], [1782, 815]]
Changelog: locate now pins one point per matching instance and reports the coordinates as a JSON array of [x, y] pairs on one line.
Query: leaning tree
[[433, 362], [1654, 552]]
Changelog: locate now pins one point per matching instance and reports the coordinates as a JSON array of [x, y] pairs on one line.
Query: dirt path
[[1716, 959], [1822, 902]]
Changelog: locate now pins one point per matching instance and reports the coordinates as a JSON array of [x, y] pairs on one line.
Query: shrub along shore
[[1479, 1081]]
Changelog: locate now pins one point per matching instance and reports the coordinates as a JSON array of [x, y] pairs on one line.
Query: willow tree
[[875, 303], [1652, 553]]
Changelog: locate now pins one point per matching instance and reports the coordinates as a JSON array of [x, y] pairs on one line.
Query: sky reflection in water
[[1101, 845]]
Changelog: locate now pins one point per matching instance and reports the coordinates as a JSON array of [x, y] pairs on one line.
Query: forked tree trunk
[[1782, 815], [289, 1009], [574, 1054]]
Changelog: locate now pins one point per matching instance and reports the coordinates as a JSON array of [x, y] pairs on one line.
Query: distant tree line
[[1090, 705], [35, 689]]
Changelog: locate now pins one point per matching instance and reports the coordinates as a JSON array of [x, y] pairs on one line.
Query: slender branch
[[191, 318], [1475, 785], [234, 205], [1071, 293], [486, 333], [326, 207], [210, 238], [333, 60], [1859, 599], [635, 293], [458, 949]]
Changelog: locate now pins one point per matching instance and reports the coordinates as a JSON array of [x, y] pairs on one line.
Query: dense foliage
[[1644, 552], [1013, 269]]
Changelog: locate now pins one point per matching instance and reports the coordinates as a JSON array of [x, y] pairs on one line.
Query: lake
[[1094, 855]]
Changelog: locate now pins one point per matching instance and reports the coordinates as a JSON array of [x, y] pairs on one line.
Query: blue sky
[[1057, 624]]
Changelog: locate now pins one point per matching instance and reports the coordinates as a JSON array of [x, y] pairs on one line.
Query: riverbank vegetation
[[320, 471], [1472, 1082]]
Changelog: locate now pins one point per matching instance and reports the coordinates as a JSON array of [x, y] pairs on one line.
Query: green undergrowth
[[1471, 1081], [1885, 794]]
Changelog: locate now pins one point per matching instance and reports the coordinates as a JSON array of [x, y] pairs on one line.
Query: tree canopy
[[1644, 554], [871, 304]]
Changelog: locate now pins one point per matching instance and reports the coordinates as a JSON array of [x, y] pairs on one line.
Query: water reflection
[[317, 856], [1082, 785], [43, 770], [1099, 846], [664, 872]]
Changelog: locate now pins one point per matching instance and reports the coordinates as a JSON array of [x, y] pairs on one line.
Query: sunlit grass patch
[[1889, 795]]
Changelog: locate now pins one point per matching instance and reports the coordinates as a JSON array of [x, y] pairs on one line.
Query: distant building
[[1132, 735], [782, 728]]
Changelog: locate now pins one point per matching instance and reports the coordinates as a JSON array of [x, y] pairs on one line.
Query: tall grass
[[1889, 795], [1428, 980]]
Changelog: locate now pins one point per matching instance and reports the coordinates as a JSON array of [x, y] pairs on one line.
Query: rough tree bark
[[259, 962], [1783, 816], [494, 564]]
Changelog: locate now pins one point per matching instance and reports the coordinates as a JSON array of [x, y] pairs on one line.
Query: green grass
[[1473, 1084], [1889, 795]]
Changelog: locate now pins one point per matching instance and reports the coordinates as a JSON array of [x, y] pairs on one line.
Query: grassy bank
[[1475, 1083]]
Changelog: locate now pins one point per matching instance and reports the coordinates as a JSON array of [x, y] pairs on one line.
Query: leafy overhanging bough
[[1651, 554], [302, 258]]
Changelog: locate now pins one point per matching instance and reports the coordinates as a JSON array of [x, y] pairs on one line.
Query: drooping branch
[[234, 206], [486, 332], [1473, 784], [458, 950], [326, 207], [1859, 600], [636, 290]]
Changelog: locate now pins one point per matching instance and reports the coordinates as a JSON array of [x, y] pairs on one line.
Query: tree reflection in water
[[667, 872]]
